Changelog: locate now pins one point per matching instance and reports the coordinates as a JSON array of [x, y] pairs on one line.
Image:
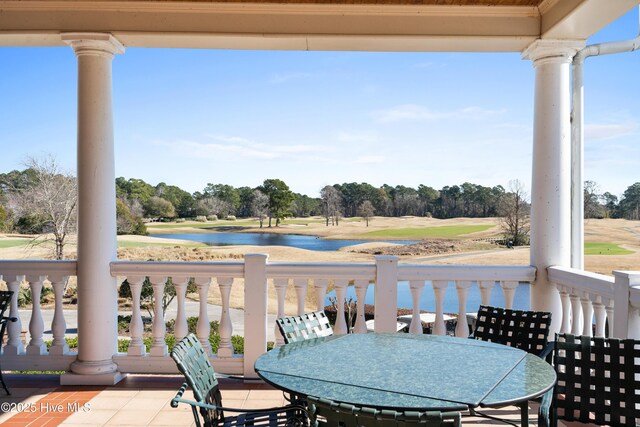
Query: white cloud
[[602, 131], [415, 112], [238, 146]]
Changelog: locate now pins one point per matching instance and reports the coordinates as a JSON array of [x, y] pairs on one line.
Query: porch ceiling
[[368, 25]]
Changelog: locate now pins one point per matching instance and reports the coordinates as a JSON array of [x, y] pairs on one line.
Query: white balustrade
[[439, 290], [225, 348], [36, 324], [587, 315], [300, 285], [341, 324], [203, 328], [280, 284], [416, 287], [321, 291], [509, 292], [158, 330], [59, 344], [136, 326], [14, 343], [361, 286], [462, 288], [181, 328]]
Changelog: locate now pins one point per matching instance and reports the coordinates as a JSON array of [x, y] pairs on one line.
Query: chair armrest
[[547, 352], [179, 399], [231, 377]]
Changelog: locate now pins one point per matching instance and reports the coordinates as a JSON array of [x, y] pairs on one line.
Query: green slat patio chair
[[5, 301], [523, 329], [300, 328], [598, 382], [324, 412], [194, 364]]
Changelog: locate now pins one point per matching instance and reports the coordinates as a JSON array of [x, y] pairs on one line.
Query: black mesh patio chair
[[194, 364], [324, 412], [5, 301], [300, 328], [598, 382], [526, 330]]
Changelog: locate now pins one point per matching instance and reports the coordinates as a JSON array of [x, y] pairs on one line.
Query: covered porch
[[549, 33]]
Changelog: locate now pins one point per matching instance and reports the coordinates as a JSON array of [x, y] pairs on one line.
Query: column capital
[[100, 44], [554, 51]]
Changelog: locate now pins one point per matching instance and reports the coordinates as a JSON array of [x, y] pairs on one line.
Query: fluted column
[[97, 298], [551, 169]]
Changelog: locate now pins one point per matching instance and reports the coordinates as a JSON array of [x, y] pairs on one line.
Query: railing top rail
[[321, 271], [37, 267], [467, 272], [177, 268], [585, 281]]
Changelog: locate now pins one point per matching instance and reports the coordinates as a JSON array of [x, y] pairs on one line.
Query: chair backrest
[[193, 363], [329, 413], [300, 328], [598, 380], [5, 301], [526, 330]]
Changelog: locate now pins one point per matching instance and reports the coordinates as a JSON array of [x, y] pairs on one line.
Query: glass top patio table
[[406, 371]]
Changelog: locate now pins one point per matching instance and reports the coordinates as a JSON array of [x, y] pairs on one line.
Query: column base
[[103, 372], [99, 379]]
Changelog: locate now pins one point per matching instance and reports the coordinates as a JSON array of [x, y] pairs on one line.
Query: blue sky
[[190, 117]]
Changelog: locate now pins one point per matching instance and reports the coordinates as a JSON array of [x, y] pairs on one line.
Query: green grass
[[595, 248], [10, 243], [419, 233]]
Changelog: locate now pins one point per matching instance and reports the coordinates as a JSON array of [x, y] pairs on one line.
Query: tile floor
[[138, 400]]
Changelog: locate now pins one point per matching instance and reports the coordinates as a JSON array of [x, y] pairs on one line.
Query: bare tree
[[366, 211], [330, 204], [260, 205], [515, 214], [51, 197]]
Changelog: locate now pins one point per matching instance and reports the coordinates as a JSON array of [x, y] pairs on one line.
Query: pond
[[313, 243], [427, 299]]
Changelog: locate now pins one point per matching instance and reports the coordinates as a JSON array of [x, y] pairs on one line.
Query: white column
[[551, 169], [255, 310], [97, 306], [386, 293]]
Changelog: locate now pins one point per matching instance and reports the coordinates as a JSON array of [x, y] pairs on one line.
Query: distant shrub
[[201, 218], [231, 218], [212, 217], [179, 220]]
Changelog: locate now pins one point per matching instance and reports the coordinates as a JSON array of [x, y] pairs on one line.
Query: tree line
[[42, 199]]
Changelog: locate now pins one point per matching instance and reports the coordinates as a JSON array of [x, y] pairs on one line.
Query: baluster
[[416, 287], [587, 315], [486, 287], [59, 345], [439, 289], [321, 292], [159, 329], [181, 328], [576, 313], [509, 292], [203, 329], [136, 326], [566, 311], [361, 293], [610, 315], [280, 284], [301, 294], [14, 343], [225, 349], [341, 324], [462, 288], [36, 324], [601, 317]]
